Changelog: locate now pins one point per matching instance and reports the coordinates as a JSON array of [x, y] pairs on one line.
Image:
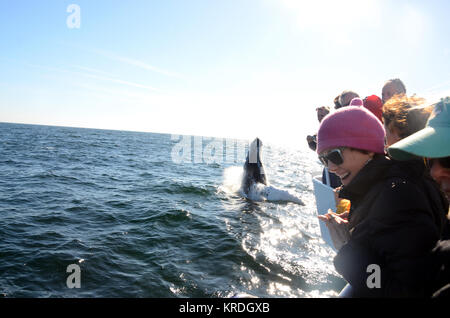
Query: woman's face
[[354, 161], [442, 177]]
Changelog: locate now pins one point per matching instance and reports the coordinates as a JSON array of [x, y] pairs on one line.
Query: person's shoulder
[[403, 189], [404, 176], [399, 197]]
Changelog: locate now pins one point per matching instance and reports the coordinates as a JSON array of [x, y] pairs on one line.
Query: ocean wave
[[178, 188]]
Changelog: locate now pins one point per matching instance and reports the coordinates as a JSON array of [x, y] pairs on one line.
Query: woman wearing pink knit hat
[[396, 213]]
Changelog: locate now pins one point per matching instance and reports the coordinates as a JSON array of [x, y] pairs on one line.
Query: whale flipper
[[275, 194]]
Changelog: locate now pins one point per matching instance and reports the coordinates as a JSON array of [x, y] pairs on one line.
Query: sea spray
[[232, 179]]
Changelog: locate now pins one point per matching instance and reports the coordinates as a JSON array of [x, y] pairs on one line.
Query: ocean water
[[139, 222]]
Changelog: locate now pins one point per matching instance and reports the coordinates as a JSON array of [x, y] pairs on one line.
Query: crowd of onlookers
[[390, 158]]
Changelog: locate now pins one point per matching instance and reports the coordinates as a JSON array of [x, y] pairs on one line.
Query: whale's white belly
[[261, 192]]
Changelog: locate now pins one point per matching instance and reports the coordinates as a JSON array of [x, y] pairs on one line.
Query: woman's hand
[[337, 224]]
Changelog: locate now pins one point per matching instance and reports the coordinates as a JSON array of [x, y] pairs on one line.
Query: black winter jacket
[[396, 217]]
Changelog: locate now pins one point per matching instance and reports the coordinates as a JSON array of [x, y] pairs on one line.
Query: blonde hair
[[406, 114]]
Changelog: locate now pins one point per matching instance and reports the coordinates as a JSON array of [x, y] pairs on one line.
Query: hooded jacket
[[397, 215]]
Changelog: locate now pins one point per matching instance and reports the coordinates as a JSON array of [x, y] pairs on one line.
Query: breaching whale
[[255, 185], [253, 167]]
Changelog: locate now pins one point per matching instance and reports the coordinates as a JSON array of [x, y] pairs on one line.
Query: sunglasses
[[443, 162], [334, 155]]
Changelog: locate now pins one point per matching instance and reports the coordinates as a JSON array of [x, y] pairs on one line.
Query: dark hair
[[323, 107], [346, 97], [337, 105], [401, 89]]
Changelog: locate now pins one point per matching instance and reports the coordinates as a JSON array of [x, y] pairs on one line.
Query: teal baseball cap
[[433, 141]]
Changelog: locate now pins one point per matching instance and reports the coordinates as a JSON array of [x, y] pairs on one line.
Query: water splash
[[232, 179]]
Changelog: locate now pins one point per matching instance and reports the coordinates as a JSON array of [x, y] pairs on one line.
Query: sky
[[235, 68]]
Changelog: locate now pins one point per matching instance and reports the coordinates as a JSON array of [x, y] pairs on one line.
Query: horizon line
[[126, 130]]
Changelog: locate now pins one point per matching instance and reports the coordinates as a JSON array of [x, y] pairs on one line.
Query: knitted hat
[[356, 102], [375, 105], [352, 126]]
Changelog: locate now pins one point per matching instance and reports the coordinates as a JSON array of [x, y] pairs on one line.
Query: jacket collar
[[366, 178]]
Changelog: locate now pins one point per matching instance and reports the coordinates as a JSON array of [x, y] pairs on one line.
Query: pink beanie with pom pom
[[356, 102], [353, 127]]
